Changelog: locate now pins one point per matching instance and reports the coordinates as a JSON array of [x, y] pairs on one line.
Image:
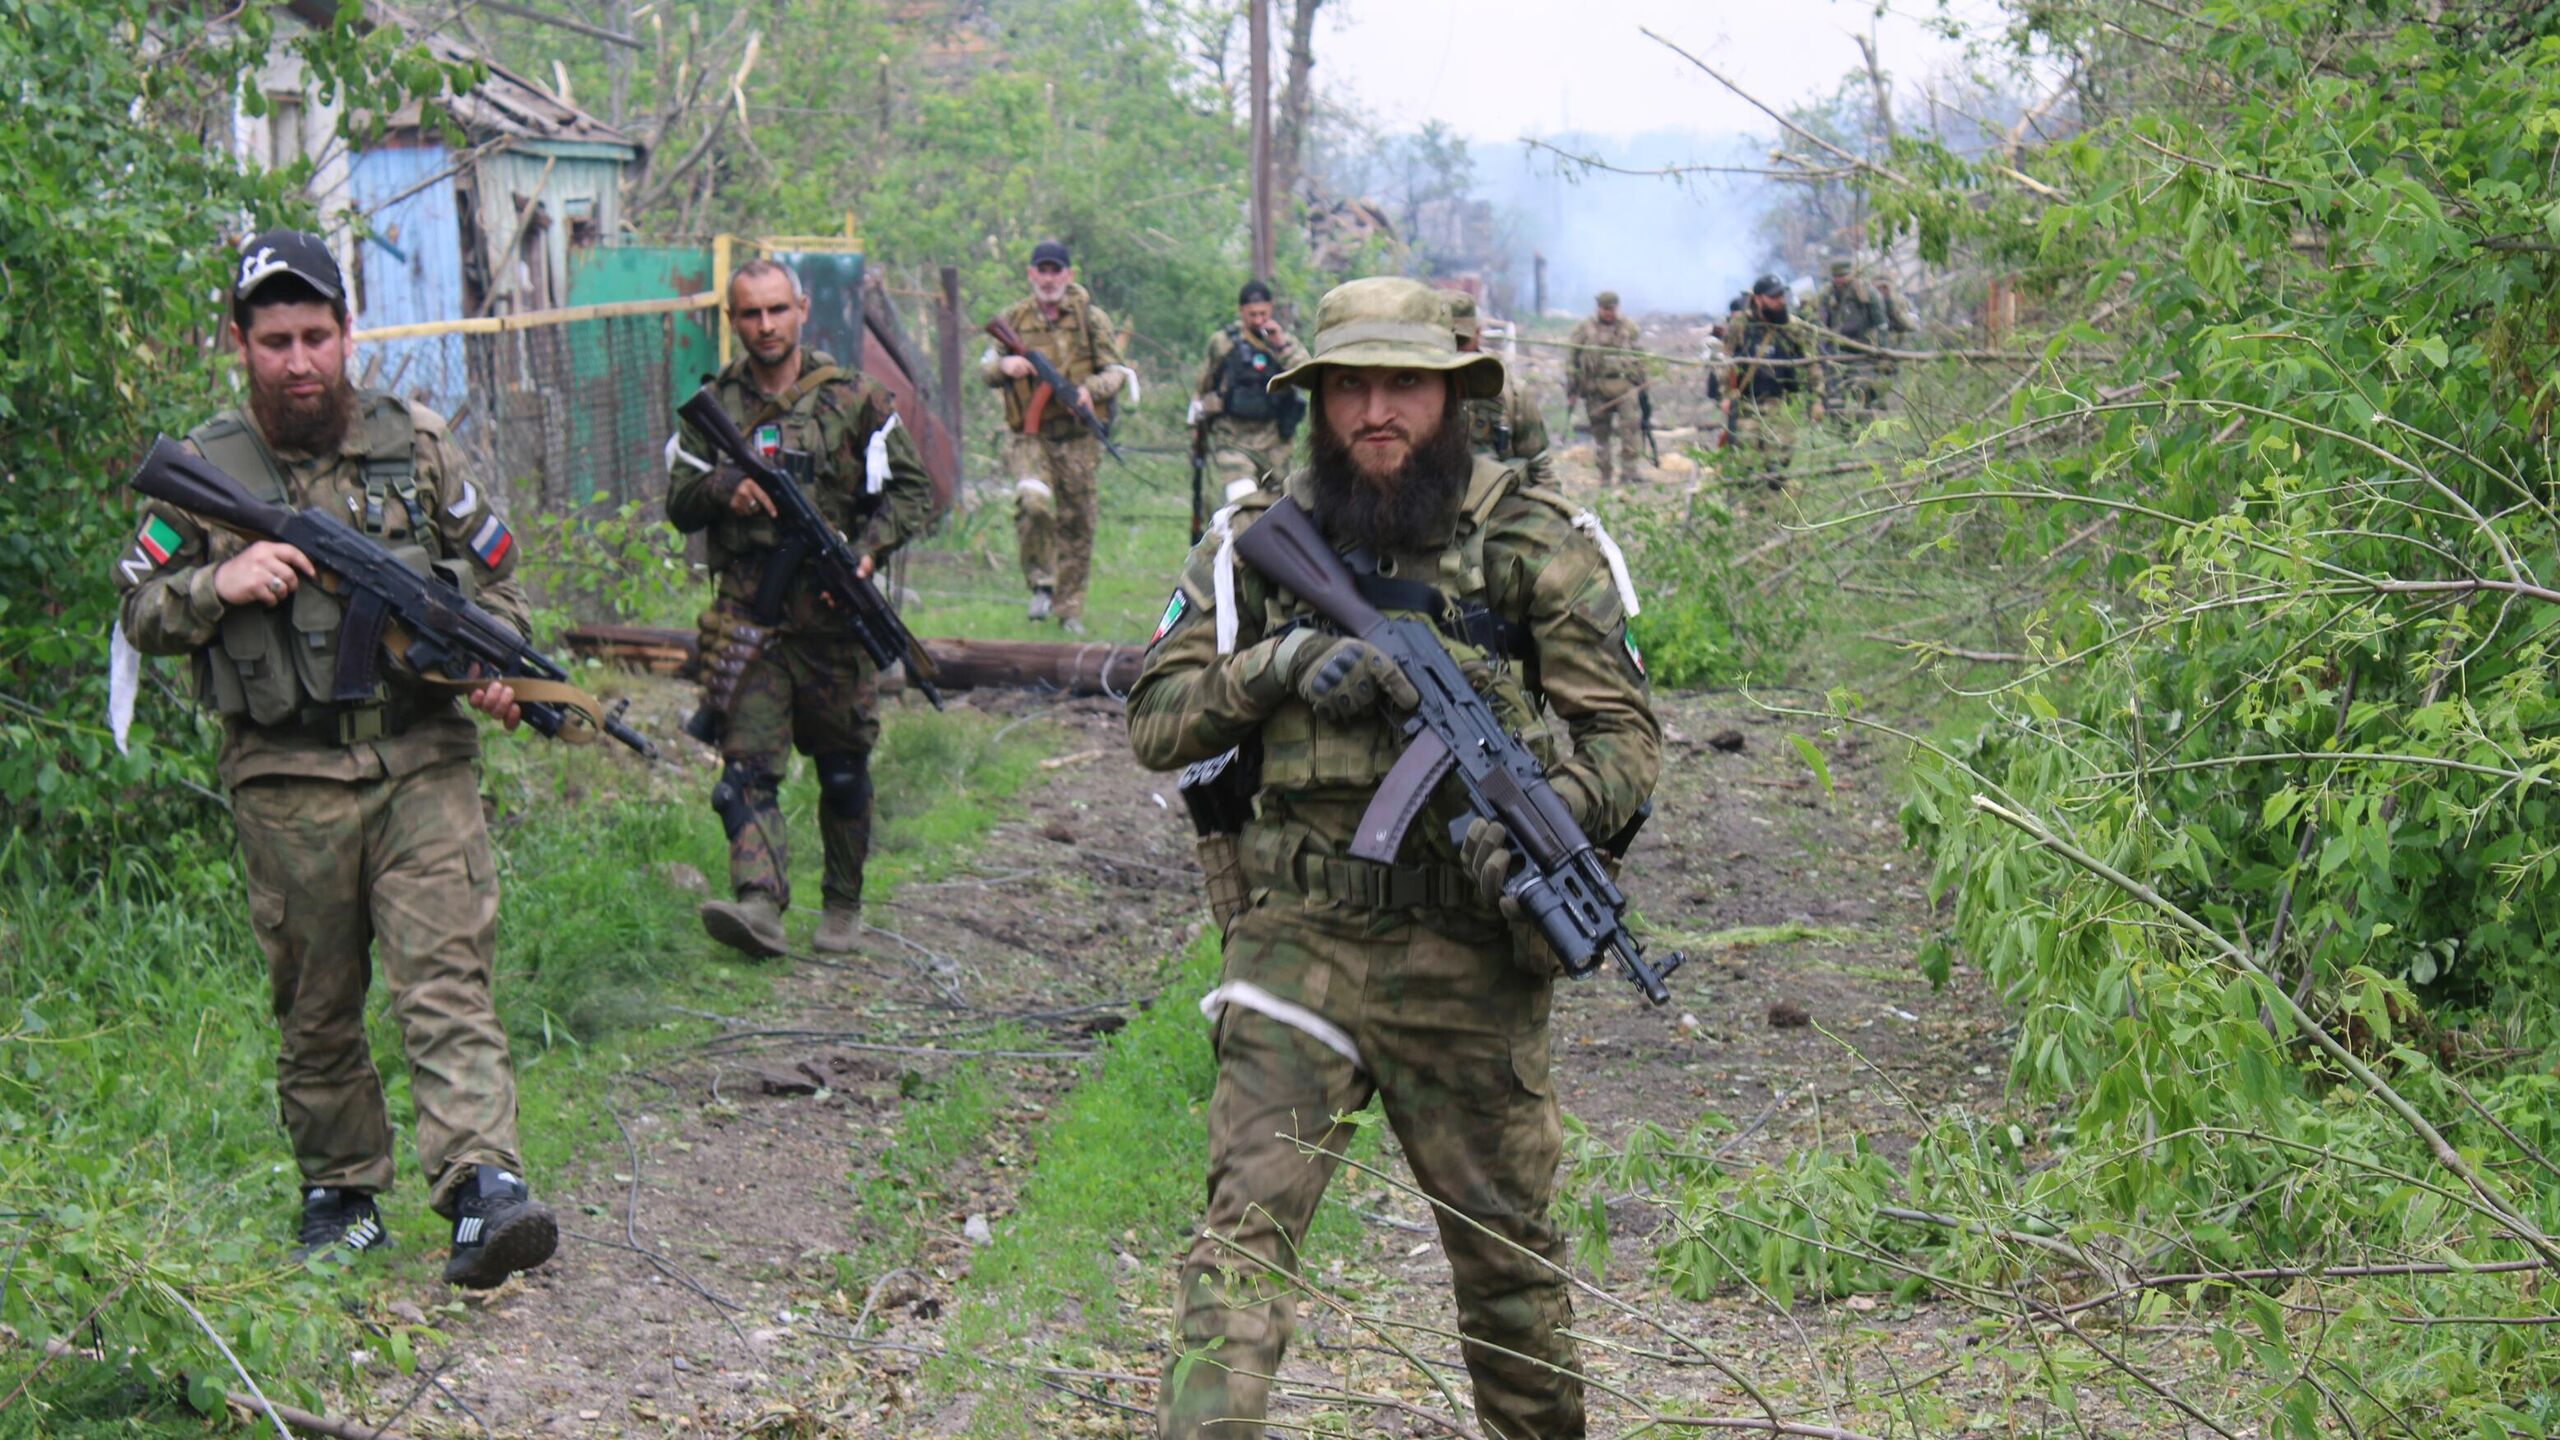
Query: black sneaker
[[498, 1230], [338, 1219]]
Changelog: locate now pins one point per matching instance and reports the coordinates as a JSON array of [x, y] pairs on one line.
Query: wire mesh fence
[[573, 413]]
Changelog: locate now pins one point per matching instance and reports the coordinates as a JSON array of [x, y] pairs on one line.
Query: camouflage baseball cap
[[1606, 299], [1840, 269], [1394, 324]]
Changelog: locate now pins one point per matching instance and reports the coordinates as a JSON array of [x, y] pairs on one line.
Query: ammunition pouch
[[1218, 792], [729, 643]]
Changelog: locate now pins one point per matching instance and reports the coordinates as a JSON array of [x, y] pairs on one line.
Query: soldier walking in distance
[[1345, 978], [1054, 457], [1777, 367], [1249, 427], [1853, 310], [1508, 428], [360, 825], [1606, 373], [801, 681]]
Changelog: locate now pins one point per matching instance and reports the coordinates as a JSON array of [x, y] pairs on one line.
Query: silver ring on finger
[[275, 585]]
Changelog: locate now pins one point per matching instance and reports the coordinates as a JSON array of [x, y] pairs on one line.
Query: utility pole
[[1261, 43]]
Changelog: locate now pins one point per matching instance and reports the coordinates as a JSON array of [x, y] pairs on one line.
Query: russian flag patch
[[493, 542]]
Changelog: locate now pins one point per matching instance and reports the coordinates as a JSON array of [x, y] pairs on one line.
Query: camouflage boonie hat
[[1392, 324], [1462, 313]]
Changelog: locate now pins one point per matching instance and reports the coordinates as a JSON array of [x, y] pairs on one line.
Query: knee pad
[[1032, 496], [745, 787], [844, 783]]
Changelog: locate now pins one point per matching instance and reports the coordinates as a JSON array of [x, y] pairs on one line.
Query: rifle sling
[[582, 716]]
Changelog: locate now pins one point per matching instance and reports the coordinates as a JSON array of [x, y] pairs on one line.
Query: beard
[[314, 426], [1406, 510]]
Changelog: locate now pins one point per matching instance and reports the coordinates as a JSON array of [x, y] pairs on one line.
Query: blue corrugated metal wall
[[412, 272]]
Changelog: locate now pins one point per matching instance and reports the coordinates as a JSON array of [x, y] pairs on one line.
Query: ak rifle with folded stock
[[1053, 386], [808, 540], [1558, 881], [422, 619]]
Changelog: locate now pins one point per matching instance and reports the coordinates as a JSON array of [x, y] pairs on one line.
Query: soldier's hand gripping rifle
[[1052, 386], [425, 620], [1558, 883], [808, 540]]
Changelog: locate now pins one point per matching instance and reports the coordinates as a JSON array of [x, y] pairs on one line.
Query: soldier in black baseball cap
[[286, 265]]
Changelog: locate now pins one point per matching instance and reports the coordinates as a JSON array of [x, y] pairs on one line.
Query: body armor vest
[[1446, 587], [275, 665]]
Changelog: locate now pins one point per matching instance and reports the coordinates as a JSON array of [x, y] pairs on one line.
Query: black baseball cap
[[1050, 252], [1769, 285], [297, 253]]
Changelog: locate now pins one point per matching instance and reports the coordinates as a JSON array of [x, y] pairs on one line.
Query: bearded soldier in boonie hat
[[1346, 978]]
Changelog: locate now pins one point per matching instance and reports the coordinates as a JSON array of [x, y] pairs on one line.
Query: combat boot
[[498, 1229], [339, 1219], [839, 931], [750, 924], [1041, 599]]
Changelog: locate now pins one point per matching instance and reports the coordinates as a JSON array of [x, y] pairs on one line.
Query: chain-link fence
[[571, 407]]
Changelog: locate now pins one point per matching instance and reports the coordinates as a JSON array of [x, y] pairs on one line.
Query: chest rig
[[1448, 587], [274, 666]]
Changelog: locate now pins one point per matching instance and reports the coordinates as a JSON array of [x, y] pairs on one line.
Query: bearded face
[[296, 356], [1389, 456]]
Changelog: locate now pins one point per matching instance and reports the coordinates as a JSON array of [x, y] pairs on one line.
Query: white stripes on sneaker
[[467, 1232], [363, 1235]]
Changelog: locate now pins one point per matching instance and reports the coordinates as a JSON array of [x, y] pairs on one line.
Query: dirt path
[[692, 1294], [706, 1286]]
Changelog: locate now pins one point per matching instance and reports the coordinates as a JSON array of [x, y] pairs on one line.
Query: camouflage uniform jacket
[[869, 479], [1524, 552], [169, 606], [1784, 340], [1596, 369], [1512, 428], [1226, 430], [1081, 342], [1856, 311]]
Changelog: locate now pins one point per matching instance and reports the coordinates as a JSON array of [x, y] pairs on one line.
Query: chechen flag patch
[[159, 540], [1635, 656], [1173, 609], [492, 542]]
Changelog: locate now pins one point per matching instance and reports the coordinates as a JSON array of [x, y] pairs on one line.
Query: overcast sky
[[1498, 69]]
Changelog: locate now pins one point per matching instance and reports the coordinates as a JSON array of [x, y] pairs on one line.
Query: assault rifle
[[1644, 417], [1559, 882], [1199, 481], [808, 540], [449, 640], [1052, 386]]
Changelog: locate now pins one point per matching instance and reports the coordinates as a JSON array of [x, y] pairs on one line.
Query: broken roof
[[504, 103]]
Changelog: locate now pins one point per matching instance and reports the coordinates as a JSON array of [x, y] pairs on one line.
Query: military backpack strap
[[391, 466]]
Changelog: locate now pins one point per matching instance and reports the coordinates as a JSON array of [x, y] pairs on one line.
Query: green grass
[[138, 1141], [1119, 1170], [969, 581]]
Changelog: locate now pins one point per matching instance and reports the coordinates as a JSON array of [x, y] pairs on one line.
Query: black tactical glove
[[1486, 854], [1344, 679]]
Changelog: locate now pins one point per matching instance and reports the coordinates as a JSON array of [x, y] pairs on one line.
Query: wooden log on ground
[[1090, 668]]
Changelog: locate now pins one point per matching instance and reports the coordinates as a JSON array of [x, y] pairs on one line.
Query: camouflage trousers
[[1622, 420], [1764, 436], [820, 695], [1245, 454], [341, 873], [1056, 509], [1452, 1038]]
